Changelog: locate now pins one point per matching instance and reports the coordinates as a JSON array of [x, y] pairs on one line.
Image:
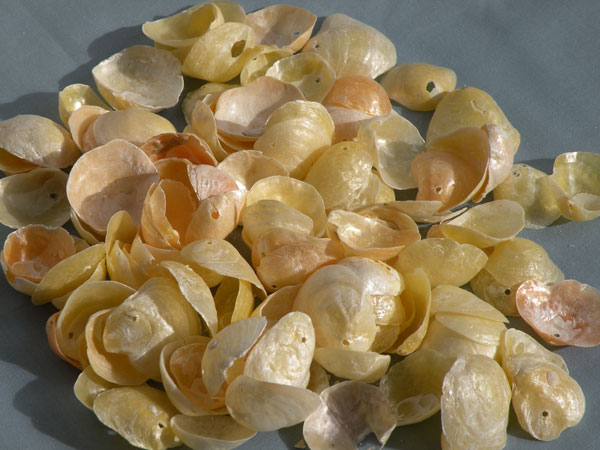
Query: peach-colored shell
[[352, 47], [179, 145], [140, 77], [218, 432], [359, 93], [567, 313], [73, 97], [246, 167], [282, 26], [39, 141], [80, 121], [242, 112], [263, 59], [126, 175], [132, 125], [347, 122]]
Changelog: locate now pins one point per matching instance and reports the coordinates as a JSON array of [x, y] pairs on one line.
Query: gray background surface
[[540, 60]]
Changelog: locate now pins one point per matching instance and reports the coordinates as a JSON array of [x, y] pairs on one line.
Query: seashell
[[140, 77], [352, 47], [277, 304], [73, 97], [38, 141], [96, 195], [207, 93], [359, 93], [234, 300], [80, 123], [246, 167], [347, 123], [133, 125], [216, 432], [368, 367], [265, 56], [53, 342], [88, 385], [179, 145], [11, 164], [204, 126]]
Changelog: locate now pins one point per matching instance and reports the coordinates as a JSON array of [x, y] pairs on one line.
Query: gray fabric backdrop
[[540, 60]]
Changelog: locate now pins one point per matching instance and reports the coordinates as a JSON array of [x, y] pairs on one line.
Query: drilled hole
[[430, 86], [53, 196], [438, 190], [303, 340], [345, 342], [506, 291], [545, 413], [215, 215], [238, 48]]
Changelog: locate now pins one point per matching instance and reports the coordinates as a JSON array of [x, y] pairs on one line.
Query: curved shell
[[140, 77], [73, 97], [208, 93], [296, 134], [352, 47], [38, 196], [88, 385], [80, 124], [39, 141], [258, 65], [516, 342], [179, 145], [214, 432], [220, 54], [418, 86], [11, 164], [132, 125], [393, 142], [353, 365], [216, 217], [277, 304], [243, 112], [182, 29], [446, 298], [123, 183], [359, 93], [204, 126], [347, 122], [468, 107], [307, 71], [246, 167], [282, 26]]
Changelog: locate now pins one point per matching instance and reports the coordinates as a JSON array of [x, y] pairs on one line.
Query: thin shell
[[258, 65], [10, 163], [264, 406], [38, 196], [54, 344], [80, 123], [394, 142], [246, 167], [359, 93], [486, 225], [39, 141], [214, 432], [73, 97], [307, 71], [477, 329], [352, 47], [446, 298], [231, 343], [203, 124], [524, 186], [283, 355], [347, 123], [132, 125], [419, 86], [423, 211], [445, 261], [140, 414], [179, 145], [282, 26], [348, 412], [220, 54], [277, 304], [475, 404], [140, 77], [208, 93], [353, 365], [234, 301], [516, 342], [413, 386], [567, 313], [96, 195], [88, 385]]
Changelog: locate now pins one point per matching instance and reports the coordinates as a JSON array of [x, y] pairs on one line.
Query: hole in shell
[[345, 342], [430, 86], [438, 189], [215, 215], [545, 413], [295, 33], [556, 335], [318, 80], [303, 340], [70, 335], [274, 286], [53, 196], [160, 425], [507, 291], [238, 48], [316, 46], [516, 173]]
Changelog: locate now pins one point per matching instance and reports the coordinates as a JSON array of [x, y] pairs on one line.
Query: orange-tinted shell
[[179, 145], [359, 93]]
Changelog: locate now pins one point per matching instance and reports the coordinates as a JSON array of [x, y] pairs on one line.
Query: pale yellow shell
[[73, 97]]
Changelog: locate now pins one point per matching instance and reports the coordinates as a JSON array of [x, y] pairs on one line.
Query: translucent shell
[[152, 317], [516, 342], [132, 125], [49, 186], [283, 355], [140, 414], [182, 29], [296, 134], [477, 329], [140, 77], [353, 365], [475, 404], [352, 47], [342, 175], [73, 97], [220, 54], [258, 65], [96, 195], [423, 211], [283, 257], [348, 412], [468, 107], [446, 298], [88, 385], [413, 386], [282, 26], [277, 304], [246, 167], [486, 225], [393, 142], [38, 141], [418, 86], [307, 71], [84, 301], [234, 301], [179, 145], [208, 94], [53, 342], [341, 313], [181, 374], [242, 112], [545, 398], [231, 343], [295, 193], [203, 125], [566, 313], [575, 185], [80, 123], [525, 186], [113, 367], [11, 164], [359, 93], [444, 260], [215, 259], [70, 273], [214, 432], [374, 232], [347, 123], [264, 406]]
